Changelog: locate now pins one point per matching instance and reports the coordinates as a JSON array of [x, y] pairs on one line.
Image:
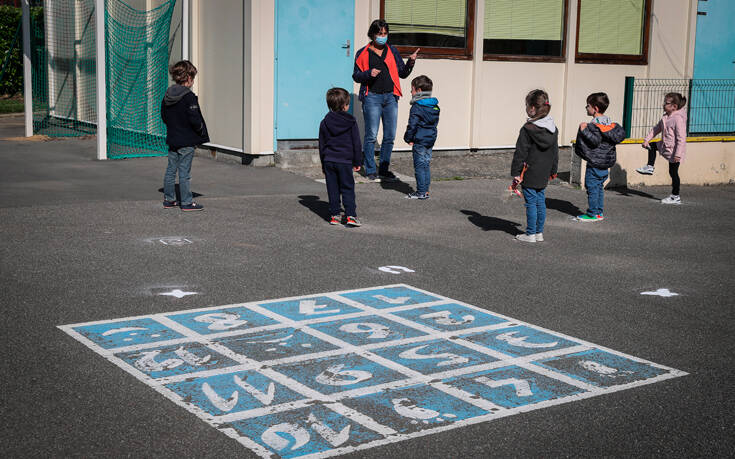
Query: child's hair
[[539, 100], [422, 83], [676, 99], [337, 98], [182, 71], [598, 100], [376, 26]]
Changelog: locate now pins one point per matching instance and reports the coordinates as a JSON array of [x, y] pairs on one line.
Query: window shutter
[[611, 27], [524, 19]]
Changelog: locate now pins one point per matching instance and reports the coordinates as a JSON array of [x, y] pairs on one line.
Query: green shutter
[[524, 19], [443, 17], [611, 27]]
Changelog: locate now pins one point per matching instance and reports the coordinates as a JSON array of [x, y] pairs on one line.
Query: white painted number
[[227, 405], [451, 359], [310, 308], [376, 331], [443, 318], [335, 439], [395, 269], [219, 321], [520, 341], [274, 438], [149, 364], [397, 300], [336, 376], [408, 409], [523, 389]]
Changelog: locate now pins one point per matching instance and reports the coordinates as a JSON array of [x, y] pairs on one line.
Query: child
[[535, 161], [341, 154], [421, 133], [673, 144], [185, 130], [595, 144]]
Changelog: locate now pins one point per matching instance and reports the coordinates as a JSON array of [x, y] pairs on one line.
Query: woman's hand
[[415, 54], [374, 72]]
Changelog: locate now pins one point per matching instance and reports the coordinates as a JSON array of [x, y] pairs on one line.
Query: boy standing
[[185, 130], [596, 144], [340, 152], [421, 132]]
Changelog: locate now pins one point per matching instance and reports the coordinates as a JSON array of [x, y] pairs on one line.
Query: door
[[712, 108], [314, 52]]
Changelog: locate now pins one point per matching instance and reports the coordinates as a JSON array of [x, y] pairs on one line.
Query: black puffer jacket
[[596, 144], [185, 126], [537, 150]]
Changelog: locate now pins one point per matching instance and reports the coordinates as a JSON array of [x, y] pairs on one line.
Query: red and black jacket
[[396, 68]]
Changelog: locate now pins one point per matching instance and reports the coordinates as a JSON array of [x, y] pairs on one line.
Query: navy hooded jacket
[[339, 139], [185, 126], [422, 121]]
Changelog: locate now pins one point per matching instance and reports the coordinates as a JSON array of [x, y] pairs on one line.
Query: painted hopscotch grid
[[327, 374]]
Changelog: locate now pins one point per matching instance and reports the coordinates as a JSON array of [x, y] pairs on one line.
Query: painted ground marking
[[328, 374]]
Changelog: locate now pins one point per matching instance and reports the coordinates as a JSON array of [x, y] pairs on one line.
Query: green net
[[63, 60]]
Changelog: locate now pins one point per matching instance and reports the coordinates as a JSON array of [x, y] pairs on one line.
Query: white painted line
[[395, 269], [178, 293], [664, 292]]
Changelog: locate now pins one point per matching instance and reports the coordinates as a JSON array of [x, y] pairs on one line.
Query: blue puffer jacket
[[422, 121], [596, 144]]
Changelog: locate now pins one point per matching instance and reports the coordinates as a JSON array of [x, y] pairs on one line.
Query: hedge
[[12, 78]]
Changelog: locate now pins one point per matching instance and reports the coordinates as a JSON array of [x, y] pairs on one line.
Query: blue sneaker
[[169, 204], [191, 207]]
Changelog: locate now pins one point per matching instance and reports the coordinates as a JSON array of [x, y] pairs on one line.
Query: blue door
[[313, 53], [712, 104]]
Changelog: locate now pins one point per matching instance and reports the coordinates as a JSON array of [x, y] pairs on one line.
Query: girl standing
[[673, 144]]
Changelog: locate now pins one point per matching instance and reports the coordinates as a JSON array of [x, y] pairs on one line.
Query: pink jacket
[[674, 135]]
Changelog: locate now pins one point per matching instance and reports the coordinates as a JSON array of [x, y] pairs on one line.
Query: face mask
[[381, 40]]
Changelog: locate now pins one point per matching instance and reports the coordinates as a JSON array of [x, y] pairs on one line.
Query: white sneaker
[[673, 199], [539, 237], [645, 170], [526, 237]]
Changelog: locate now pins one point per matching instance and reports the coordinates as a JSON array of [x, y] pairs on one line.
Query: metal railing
[[710, 104]]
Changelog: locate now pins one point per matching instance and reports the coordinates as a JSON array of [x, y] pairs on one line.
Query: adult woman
[[378, 67]]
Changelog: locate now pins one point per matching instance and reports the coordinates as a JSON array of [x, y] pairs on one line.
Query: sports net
[[137, 45]]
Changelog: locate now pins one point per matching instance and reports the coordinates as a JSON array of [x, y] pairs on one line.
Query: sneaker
[[170, 204], [526, 237], [590, 218], [673, 199], [335, 220], [539, 237], [417, 195], [353, 221], [645, 170], [388, 176], [191, 207], [372, 177]]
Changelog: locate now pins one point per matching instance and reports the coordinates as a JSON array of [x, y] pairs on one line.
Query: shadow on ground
[[563, 206], [316, 205], [492, 223], [194, 194]]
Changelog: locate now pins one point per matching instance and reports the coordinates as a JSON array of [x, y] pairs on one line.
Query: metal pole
[[185, 30], [101, 80], [628, 105], [27, 76]]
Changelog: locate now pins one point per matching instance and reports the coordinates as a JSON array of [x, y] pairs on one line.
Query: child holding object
[[673, 144], [595, 144], [340, 152], [535, 162]]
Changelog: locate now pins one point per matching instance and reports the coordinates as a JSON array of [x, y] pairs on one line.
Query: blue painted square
[[275, 344], [520, 340], [127, 333], [222, 320], [367, 330], [414, 408], [602, 368], [513, 386], [450, 317], [175, 360], [233, 392], [434, 356], [340, 373], [315, 429], [390, 297], [309, 308]]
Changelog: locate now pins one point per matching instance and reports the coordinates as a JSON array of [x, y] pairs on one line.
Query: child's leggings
[[673, 168]]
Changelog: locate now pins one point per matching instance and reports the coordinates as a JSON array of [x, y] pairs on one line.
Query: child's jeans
[[673, 167], [422, 167], [593, 181], [535, 209], [179, 160], [340, 181]]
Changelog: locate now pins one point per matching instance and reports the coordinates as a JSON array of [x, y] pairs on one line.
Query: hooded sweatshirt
[[673, 129], [185, 126], [339, 139], [537, 153], [422, 120], [596, 143]]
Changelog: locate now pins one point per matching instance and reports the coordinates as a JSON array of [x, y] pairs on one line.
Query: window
[[613, 31], [441, 28], [525, 30]]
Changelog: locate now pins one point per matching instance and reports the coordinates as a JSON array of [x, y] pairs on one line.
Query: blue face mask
[[381, 40]]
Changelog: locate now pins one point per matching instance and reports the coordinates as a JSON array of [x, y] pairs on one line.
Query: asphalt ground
[[79, 244]]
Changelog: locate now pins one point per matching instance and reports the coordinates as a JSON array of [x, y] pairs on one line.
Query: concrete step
[[306, 157]]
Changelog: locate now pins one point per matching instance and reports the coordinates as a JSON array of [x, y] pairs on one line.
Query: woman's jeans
[[179, 160], [535, 209], [421, 167], [375, 107], [593, 180]]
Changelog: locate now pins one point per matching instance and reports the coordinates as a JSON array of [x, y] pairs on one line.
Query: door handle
[[347, 47]]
